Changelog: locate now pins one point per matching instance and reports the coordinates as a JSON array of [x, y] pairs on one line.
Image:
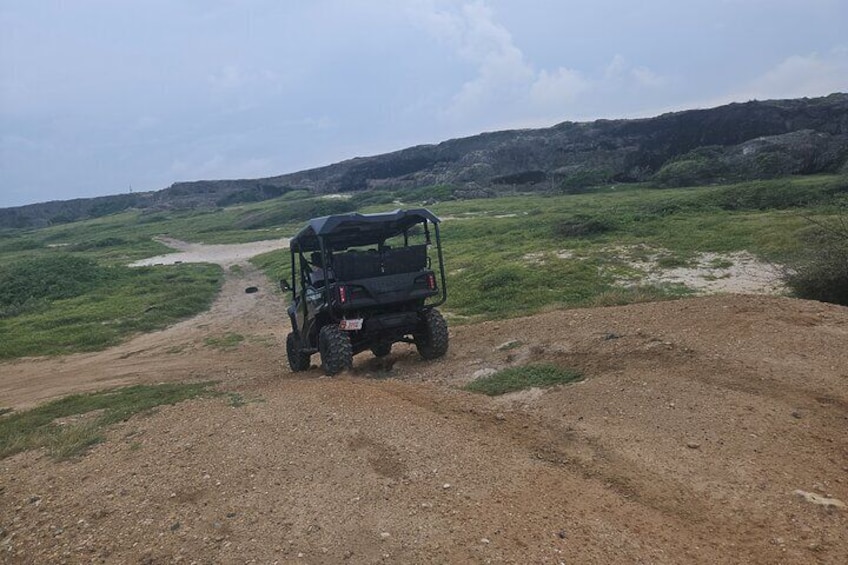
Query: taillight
[[342, 294], [431, 281]]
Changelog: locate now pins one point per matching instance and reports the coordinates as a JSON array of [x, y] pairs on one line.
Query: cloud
[[552, 88], [803, 75], [500, 71], [504, 83]]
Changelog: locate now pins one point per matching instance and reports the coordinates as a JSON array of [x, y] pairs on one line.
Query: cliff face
[[734, 142]]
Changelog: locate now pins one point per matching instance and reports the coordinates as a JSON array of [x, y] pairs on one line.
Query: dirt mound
[[696, 424]]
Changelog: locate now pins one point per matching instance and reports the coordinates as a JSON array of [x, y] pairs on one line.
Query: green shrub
[[520, 378], [582, 226], [503, 279], [699, 167], [371, 198], [763, 196], [124, 302], [294, 211], [438, 192], [45, 279], [99, 244], [582, 181], [822, 273]]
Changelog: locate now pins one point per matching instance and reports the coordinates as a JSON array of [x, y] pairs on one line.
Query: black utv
[[366, 281]]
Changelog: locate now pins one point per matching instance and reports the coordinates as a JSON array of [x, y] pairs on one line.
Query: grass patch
[[520, 378], [229, 340], [68, 426], [108, 308], [484, 244]]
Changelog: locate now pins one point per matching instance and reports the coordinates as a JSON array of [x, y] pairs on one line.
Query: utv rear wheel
[[298, 360], [382, 349], [335, 348], [431, 338]]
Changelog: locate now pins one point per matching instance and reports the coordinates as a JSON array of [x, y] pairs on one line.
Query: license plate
[[351, 325]]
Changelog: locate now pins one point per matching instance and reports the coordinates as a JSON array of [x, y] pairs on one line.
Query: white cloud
[[643, 76], [616, 68], [504, 82], [803, 75], [561, 85]]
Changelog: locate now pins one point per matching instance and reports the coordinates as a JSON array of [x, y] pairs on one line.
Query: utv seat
[[404, 259], [354, 265]]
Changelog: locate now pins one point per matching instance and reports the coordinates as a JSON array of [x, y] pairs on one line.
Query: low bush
[[699, 167], [371, 198], [582, 226], [47, 278], [101, 312], [294, 211], [822, 272]]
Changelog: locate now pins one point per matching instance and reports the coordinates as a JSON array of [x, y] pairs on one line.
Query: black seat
[[353, 265], [404, 259]]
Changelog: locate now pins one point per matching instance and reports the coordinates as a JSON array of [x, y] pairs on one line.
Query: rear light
[[431, 281], [342, 294]]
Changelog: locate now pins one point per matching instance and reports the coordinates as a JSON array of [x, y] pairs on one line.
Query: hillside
[[752, 140]]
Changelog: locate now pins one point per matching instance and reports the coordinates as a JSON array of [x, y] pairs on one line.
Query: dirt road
[[697, 423]]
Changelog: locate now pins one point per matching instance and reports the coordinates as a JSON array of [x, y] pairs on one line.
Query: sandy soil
[[224, 254], [708, 430]]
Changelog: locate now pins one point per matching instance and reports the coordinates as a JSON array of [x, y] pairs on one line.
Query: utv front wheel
[[431, 338], [298, 360], [335, 348]]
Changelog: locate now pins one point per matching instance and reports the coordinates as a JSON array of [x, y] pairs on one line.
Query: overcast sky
[[106, 96]]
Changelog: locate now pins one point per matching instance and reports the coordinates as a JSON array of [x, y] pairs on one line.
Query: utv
[[365, 281]]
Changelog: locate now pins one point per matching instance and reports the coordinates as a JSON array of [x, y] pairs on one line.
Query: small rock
[[499, 416], [821, 500], [175, 526], [446, 486], [797, 415], [482, 373], [385, 535], [485, 541], [693, 445], [231, 514], [561, 534]]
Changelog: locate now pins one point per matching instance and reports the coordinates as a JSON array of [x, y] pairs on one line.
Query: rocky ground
[[707, 430]]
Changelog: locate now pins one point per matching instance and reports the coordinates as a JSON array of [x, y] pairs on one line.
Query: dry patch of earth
[[224, 254], [707, 430]]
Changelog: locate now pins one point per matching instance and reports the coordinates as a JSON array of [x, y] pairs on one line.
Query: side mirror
[[284, 285]]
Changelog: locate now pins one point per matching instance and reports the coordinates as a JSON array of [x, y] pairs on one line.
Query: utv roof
[[349, 230]]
